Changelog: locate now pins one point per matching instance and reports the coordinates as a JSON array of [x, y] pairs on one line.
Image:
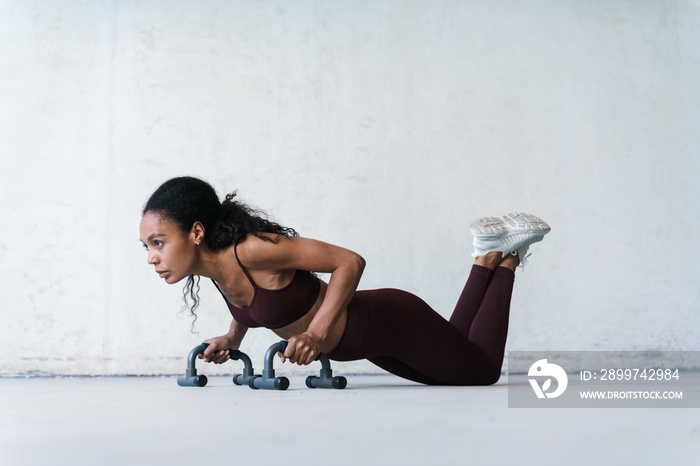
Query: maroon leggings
[[400, 333]]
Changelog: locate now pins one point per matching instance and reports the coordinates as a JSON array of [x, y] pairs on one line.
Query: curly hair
[[186, 200]]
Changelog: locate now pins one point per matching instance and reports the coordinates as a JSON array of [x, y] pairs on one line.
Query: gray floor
[[378, 420]]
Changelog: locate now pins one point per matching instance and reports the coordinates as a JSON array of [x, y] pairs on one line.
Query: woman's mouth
[[162, 274]]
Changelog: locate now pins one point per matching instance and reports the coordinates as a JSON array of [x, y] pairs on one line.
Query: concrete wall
[[382, 126]]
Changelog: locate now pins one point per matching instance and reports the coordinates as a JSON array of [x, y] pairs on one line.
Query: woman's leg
[[483, 309], [402, 334], [408, 338]]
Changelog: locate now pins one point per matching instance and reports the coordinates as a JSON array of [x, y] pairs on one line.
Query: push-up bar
[[267, 380]]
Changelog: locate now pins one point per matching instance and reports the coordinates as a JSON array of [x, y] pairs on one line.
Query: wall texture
[[382, 126]]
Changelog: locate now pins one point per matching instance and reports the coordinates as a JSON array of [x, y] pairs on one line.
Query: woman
[[265, 274]]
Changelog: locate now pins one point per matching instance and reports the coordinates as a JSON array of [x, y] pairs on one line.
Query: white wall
[[382, 126]]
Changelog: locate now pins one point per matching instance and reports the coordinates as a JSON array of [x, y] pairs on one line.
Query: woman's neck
[[217, 265]]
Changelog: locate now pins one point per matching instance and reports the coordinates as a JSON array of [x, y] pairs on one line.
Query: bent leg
[[402, 334], [407, 337]]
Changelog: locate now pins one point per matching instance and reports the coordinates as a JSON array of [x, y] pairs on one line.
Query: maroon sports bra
[[276, 308]]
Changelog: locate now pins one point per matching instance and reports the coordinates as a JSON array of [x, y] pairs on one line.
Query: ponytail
[[236, 220]]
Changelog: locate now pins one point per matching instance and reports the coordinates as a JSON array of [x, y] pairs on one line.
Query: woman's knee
[[486, 377], [492, 378]]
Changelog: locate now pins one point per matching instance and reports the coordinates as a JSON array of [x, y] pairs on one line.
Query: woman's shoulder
[[260, 250], [278, 253]]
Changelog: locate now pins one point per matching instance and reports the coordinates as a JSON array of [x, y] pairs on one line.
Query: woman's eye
[[158, 243]]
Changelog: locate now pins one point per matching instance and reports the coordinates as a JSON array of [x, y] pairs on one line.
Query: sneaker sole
[[510, 224], [487, 226]]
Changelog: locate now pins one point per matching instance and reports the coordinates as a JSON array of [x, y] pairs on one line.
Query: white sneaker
[[512, 232]]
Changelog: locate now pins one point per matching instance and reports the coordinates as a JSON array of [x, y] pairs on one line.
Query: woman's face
[[169, 251]]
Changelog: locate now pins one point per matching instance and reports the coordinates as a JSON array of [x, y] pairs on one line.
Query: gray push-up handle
[[244, 378], [191, 379], [268, 380], [326, 380]]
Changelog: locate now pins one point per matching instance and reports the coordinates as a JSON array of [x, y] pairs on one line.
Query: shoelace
[[523, 260]]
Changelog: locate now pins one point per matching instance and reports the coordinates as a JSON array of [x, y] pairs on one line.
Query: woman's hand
[[219, 349], [302, 349]]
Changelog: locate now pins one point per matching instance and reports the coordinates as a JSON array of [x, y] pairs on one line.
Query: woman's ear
[[197, 233]]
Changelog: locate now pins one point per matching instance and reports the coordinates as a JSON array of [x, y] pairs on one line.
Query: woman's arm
[[303, 349], [219, 349], [345, 267]]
